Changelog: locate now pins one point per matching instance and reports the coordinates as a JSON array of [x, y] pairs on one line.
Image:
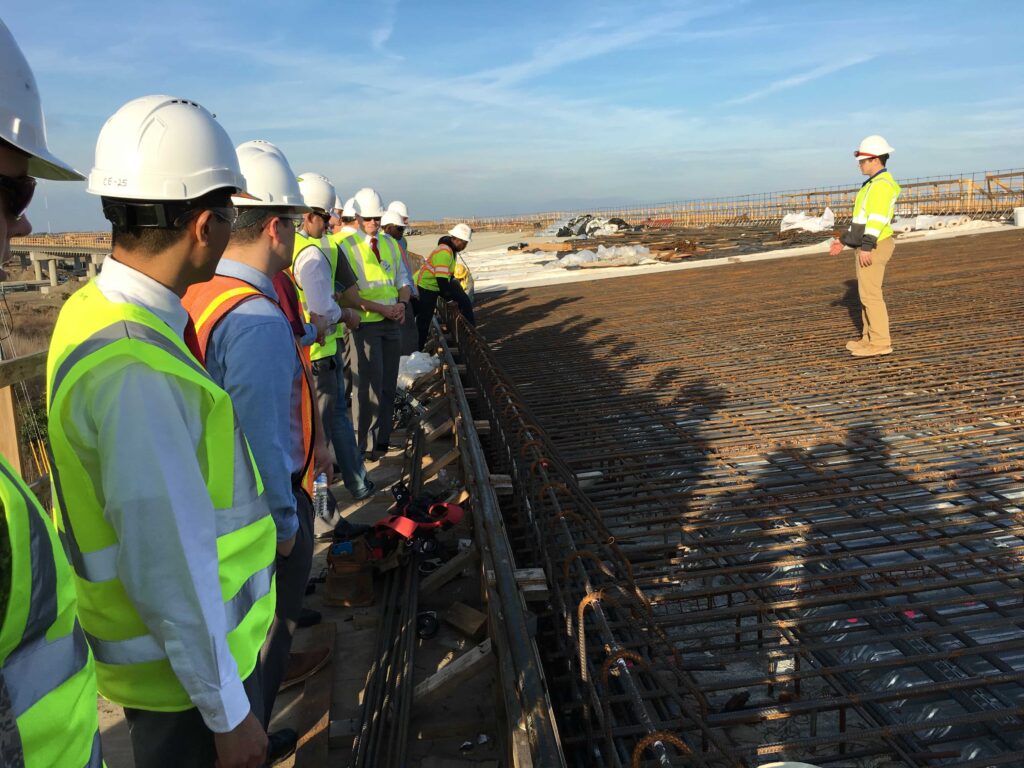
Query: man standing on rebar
[[436, 278], [870, 235]]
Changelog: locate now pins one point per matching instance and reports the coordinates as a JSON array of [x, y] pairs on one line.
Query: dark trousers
[[410, 330], [174, 739], [425, 305], [374, 352], [292, 576]]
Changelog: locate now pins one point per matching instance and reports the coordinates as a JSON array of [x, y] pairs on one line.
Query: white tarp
[[411, 367], [808, 223]]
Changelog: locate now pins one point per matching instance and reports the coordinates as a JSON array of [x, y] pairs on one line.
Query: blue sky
[[480, 108]]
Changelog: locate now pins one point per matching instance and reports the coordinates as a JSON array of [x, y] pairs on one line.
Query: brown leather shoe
[[303, 665], [871, 350], [852, 345]]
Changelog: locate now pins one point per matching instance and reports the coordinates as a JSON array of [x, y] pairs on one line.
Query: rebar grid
[[829, 547]]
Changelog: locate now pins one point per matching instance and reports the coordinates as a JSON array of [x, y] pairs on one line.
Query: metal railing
[[981, 194]]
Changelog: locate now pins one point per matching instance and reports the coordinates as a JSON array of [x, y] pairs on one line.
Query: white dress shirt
[[312, 271], [136, 432]]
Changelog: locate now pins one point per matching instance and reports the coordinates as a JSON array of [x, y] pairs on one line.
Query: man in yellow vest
[[870, 236], [436, 278], [157, 498], [393, 223], [251, 352], [375, 348], [322, 277], [47, 675]]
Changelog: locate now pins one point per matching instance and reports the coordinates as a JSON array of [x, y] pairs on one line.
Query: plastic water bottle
[[320, 492]]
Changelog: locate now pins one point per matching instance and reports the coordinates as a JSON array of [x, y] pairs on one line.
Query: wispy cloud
[[388, 14], [794, 81]]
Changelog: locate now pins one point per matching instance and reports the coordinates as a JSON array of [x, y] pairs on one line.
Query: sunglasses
[[17, 194], [372, 218], [227, 214]]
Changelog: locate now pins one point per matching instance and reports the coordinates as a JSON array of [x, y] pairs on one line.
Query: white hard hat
[[338, 205], [351, 208], [163, 148], [873, 146], [461, 231], [317, 191], [399, 207], [268, 177], [392, 217], [369, 202], [21, 113]]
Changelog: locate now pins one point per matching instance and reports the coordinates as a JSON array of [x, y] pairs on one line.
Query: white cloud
[[794, 81]]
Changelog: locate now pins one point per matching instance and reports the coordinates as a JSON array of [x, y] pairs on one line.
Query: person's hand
[[351, 318], [401, 312], [864, 257], [284, 548], [322, 326], [836, 248], [392, 311], [323, 464], [243, 747]]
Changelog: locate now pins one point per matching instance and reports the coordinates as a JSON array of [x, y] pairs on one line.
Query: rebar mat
[[826, 550]]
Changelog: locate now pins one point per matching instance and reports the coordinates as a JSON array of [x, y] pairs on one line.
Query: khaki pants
[[874, 315]]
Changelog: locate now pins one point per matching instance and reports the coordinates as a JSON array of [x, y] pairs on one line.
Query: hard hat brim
[[44, 165]]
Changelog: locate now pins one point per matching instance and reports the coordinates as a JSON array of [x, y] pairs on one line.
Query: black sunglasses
[[372, 218], [17, 193]]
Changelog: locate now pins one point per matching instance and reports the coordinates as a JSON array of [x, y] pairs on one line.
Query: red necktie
[[376, 250], [192, 341]]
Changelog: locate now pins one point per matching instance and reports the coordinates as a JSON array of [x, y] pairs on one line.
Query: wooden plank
[[469, 621], [315, 706], [9, 448], [532, 582], [448, 571], [22, 368], [431, 468], [442, 429], [464, 668], [550, 247], [482, 427]]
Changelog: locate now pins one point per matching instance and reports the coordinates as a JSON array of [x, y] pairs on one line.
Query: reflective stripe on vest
[[210, 302], [330, 346], [376, 280], [875, 223], [132, 669], [427, 275], [45, 663]]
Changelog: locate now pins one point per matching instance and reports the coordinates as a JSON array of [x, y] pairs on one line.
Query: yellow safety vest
[[45, 662], [132, 667], [376, 280], [440, 264], [873, 210], [330, 346]]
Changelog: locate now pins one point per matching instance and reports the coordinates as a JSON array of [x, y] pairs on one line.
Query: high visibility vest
[[45, 662], [132, 668], [874, 207], [376, 280], [440, 264], [208, 303], [318, 351]]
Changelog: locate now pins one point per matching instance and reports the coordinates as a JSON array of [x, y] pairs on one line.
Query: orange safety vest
[[208, 303]]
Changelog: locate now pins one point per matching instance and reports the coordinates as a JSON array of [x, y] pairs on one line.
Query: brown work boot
[[855, 343], [304, 664], [871, 350]]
